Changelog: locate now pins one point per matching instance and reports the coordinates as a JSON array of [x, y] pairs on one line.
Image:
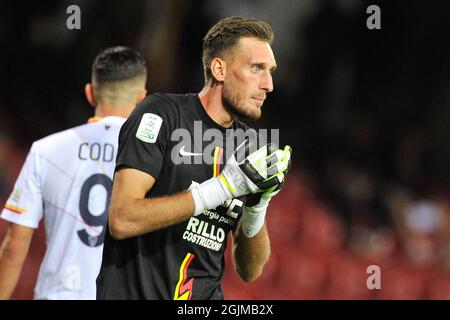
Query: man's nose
[[267, 82]]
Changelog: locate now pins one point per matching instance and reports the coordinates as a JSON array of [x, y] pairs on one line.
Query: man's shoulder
[[54, 136], [168, 102], [60, 139], [169, 107], [174, 97]]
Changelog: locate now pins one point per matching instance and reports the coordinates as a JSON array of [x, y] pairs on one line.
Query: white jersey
[[67, 179]]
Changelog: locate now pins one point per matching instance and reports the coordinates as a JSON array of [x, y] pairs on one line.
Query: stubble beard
[[232, 103]]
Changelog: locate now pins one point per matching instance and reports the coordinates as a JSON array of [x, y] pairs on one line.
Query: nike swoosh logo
[[187, 153]]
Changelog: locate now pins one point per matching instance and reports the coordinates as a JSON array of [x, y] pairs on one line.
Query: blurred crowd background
[[366, 111]]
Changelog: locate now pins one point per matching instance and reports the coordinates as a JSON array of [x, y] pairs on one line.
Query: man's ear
[[141, 96], [89, 91], [218, 69]]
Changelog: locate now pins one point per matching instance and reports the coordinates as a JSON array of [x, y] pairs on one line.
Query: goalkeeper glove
[[260, 171], [255, 209]]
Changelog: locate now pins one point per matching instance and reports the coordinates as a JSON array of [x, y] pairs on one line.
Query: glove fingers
[[274, 157], [279, 170], [287, 153], [258, 157], [272, 170], [280, 166], [266, 166], [271, 147], [285, 162], [256, 177], [279, 157], [271, 181], [269, 161]]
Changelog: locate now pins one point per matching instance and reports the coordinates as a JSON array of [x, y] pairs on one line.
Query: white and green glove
[[254, 212], [258, 172]]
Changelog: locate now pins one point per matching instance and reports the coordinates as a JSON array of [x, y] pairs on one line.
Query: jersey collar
[[109, 119], [94, 119]]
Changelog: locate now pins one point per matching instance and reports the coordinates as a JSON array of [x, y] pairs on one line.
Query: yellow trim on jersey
[[14, 209], [187, 288], [217, 157], [216, 153], [94, 119]]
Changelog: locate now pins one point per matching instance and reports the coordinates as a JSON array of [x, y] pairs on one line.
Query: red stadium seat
[[320, 230], [439, 287], [302, 275], [402, 283], [347, 278]]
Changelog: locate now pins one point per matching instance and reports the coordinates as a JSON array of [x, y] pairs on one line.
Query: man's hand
[[260, 171], [255, 209]]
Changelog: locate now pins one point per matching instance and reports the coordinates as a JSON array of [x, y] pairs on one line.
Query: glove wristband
[[198, 201], [253, 218], [208, 195]]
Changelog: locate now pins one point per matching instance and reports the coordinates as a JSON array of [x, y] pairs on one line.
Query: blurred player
[[67, 179]]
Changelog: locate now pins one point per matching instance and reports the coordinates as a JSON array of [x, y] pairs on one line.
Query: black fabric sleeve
[[141, 146]]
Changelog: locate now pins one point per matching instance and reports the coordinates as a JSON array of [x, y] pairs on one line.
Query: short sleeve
[[25, 205], [145, 136]]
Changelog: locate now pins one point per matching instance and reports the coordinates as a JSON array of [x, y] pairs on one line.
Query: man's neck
[[106, 111], [211, 99]]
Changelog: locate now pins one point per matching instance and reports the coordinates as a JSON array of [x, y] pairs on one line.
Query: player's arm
[[13, 252], [26, 198], [251, 249], [131, 214], [250, 254]]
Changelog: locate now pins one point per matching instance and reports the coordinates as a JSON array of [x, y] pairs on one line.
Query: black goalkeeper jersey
[[172, 138]]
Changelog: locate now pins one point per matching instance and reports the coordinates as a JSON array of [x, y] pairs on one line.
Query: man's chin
[[255, 113], [251, 116]]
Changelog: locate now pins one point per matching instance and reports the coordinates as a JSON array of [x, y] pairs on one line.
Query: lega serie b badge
[[149, 127]]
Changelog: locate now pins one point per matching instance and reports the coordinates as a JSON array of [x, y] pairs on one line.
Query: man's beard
[[232, 105]]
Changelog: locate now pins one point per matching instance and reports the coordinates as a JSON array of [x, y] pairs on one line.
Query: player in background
[[67, 179]]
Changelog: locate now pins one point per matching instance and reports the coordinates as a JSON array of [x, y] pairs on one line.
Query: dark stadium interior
[[367, 113]]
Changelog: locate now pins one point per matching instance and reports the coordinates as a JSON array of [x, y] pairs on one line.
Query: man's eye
[[256, 68]]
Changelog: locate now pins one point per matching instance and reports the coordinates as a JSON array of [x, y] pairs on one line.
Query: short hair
[[115, 68], [225, 34], [118, 64]]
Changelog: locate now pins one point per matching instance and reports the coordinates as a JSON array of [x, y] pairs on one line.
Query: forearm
[[251, 254], [140, 216], [12, 257], [9, 275]]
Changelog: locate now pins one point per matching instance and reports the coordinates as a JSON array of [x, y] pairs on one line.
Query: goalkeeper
[[169, 223]]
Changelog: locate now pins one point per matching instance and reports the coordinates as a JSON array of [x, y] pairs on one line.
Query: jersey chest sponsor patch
[[210, 229], [149, 127]]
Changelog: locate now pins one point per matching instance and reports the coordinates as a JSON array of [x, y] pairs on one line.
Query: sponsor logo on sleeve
[[15, 196], [149, 127]]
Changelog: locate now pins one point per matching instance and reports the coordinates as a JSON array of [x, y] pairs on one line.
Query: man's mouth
[[260, 99]]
